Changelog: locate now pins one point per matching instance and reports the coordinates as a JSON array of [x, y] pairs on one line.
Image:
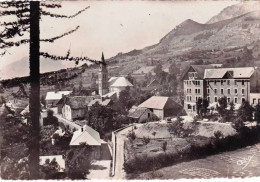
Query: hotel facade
[[206, 82]]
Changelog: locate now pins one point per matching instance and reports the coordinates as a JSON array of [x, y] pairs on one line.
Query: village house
[[103, 102], [154, 86], [87, 135], [162, 106], [75, 107], [203, 81], [52, 98], [254, 99], [141, 115]]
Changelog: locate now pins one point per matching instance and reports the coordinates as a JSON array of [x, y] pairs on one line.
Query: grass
[[154, 147], [239, 163]]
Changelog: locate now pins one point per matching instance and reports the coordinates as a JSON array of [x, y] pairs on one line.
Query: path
[[99, 170], [121, 136]]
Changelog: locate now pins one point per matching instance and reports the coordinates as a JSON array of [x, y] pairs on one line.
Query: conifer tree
[[26, 30]]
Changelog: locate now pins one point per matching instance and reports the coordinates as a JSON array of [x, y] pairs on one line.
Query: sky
[[108, 26]]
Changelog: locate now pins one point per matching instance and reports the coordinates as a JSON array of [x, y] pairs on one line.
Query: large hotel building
[[207, 82]]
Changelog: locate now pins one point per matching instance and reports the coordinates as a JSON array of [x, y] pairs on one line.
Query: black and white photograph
[[129, 90]]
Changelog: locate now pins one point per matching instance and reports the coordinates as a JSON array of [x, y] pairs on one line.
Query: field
[[239, 163], [158, 133]]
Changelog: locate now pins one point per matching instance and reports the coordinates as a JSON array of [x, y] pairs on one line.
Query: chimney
[[84, 127]]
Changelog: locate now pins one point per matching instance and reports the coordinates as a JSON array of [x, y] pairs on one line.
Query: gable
[[185, 76]]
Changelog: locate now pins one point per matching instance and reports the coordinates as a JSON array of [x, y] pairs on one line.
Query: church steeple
[[103, 58], [103, 77]]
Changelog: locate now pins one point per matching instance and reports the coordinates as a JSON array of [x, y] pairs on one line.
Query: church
[[110, 88]]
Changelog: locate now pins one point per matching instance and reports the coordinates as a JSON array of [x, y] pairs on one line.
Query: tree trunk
[[34, 96]]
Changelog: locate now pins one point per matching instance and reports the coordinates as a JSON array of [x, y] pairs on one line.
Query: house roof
[[112, 80], [121, 82], [137, 113], [88, 136], [79, 102], [153, 83], [59, 160], [244, 72], [110, 94], [56, 95], [155, 102], [103, 103]]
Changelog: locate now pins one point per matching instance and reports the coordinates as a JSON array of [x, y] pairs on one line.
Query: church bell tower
[[103, 77]]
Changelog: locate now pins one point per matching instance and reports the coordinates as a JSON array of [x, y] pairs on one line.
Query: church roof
[[121, 82]]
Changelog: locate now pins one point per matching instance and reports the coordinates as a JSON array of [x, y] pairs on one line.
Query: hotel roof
[[243, 72]]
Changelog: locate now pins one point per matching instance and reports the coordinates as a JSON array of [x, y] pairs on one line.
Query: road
[[121, 136]]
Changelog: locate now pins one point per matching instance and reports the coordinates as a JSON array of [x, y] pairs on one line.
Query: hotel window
[[198, 82], [189, 106], [243, 82], [235, 82], [254, 100], [235, 100], [187, 98], [215, 91], [228, 99], [222, 91], [228, 90], [208, 91], [243, 100], [215, 82], [243, 91], [198, 91], [216, 99], [208, 99], [235, 90], [222, 81], [228, 82], [187, 90]]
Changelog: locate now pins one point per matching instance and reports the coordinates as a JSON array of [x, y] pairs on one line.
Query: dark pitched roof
[[137, 113], [79, 102], [200, 69]]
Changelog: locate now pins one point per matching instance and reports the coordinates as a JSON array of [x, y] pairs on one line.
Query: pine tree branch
[[60, 36], [51, 5], [19, 22], [45, 13], [9, 33], [14, 4], [4, 44], [18, 12], [68, 58]]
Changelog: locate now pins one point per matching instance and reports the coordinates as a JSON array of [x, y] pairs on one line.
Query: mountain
[[191, 37], [46, 65], [235, 10]]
